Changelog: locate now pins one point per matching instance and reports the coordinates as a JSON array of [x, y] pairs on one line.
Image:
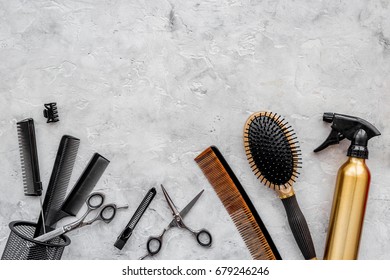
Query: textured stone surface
[[150, 85]]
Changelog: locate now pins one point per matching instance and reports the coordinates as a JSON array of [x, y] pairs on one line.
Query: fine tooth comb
[[128, 230], [29, 159], [273, 153], [59, 180], [238, 205], [83, 187]]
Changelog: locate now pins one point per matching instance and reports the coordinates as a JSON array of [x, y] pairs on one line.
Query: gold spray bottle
[[352, 186]]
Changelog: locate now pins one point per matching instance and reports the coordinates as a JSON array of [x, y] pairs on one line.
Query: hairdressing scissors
[[94, 201], [203, 237]]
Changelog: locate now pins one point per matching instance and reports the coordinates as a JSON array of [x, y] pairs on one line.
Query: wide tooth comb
[[237, 204], [59, 180]]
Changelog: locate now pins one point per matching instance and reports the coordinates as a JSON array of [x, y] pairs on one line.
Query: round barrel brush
[[274, 155]]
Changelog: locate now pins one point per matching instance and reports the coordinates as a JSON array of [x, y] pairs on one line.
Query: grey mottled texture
[[150, 84]]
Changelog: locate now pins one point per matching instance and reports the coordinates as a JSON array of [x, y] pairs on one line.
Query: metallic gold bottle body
[[347, 215]]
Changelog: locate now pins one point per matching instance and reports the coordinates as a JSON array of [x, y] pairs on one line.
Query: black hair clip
[[51, 112]]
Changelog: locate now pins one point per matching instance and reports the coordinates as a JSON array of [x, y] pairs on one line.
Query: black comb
[[127, 232], [29, 158], [274, 156], [83, 187], [59, 180]]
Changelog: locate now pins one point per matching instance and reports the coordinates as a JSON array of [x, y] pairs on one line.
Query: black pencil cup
[[22, 246]]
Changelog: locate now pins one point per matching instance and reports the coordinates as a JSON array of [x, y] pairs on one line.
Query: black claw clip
[[50, 112]]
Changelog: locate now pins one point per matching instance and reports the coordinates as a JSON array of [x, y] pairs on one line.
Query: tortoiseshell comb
[[238, 205]]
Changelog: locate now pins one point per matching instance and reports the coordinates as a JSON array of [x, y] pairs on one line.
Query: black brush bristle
[[272, 149], [29, 158]]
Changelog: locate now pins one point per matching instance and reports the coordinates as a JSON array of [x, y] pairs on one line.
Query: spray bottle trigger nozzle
[[334, 138]]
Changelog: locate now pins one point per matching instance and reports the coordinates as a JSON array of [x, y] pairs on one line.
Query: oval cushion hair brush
[[274, 155]]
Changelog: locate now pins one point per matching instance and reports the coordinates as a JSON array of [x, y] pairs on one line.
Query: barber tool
[[352, 186], [273, 153], [83, 187], [94, 201], [51, 112], [203, 237], [29, 159], [237, 204], [128, 231], [59, 180]]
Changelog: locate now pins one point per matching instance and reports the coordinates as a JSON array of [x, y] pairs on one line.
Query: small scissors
[[94, 201], [203, 237]]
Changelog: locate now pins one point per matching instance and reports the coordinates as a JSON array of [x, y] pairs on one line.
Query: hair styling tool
[[203, 237], [29, 159], [59, 180], [50, 112], [273, 153], [94, 201], [83, 187], [237, 204], [128, 231], [352, 185]]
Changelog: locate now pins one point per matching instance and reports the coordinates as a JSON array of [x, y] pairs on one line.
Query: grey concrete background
[[151, 84]]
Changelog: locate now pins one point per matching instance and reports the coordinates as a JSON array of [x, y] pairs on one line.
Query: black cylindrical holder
[[22, 246]]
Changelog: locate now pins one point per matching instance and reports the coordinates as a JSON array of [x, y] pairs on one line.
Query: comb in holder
[[238, 205], [59, 181], [83, 187], [29, 158]]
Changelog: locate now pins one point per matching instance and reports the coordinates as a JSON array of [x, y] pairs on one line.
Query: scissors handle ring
[[203, 233], [98, 196], [149, 246]]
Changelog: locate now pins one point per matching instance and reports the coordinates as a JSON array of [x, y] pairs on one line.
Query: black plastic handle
[[299, 227]]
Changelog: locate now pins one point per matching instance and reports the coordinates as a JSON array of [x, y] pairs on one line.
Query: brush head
[[272, 149], [29, 157]]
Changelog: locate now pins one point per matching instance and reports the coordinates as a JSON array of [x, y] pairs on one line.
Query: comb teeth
[[272, 149], [237, 204], [59, 180], [29, 158]]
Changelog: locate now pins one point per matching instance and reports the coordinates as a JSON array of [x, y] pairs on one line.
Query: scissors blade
[[170, 202], [186, 209]]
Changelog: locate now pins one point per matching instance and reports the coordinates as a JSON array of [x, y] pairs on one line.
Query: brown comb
[[237, 204]]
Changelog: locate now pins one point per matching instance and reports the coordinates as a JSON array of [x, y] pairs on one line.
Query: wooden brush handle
[[299, 227]]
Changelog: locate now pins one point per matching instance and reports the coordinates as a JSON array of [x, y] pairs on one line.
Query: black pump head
[[355, 129]]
